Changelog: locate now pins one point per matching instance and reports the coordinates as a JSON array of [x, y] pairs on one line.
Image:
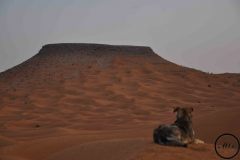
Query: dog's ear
[[176, 109]]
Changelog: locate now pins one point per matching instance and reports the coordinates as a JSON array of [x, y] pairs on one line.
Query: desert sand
[[91, 101]]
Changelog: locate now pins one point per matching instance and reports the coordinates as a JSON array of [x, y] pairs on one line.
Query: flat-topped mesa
[[96, 49]]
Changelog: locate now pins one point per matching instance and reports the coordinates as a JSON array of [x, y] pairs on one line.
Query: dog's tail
[[156, 138]]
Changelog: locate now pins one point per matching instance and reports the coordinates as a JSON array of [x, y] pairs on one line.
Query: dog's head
[[184, 113]]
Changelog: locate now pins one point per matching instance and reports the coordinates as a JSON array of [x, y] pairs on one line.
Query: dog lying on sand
[[180, 133]]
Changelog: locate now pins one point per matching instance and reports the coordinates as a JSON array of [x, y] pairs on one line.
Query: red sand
[[81, 101]]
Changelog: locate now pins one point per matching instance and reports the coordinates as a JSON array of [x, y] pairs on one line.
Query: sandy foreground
[[56, 106], [135, 143]]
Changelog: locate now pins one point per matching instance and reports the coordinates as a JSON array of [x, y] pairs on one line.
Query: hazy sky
[[204, 34]]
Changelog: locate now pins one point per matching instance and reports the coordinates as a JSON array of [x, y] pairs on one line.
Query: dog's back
[[168, 135]]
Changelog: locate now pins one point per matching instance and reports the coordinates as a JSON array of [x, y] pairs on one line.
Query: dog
[[180, 133]]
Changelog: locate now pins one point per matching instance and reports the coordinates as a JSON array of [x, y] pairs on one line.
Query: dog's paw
[[198, 141]]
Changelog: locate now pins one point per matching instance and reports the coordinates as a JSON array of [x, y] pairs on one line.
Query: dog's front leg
[[198, 141]]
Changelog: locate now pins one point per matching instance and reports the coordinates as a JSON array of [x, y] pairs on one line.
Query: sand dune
[[90, 101]]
